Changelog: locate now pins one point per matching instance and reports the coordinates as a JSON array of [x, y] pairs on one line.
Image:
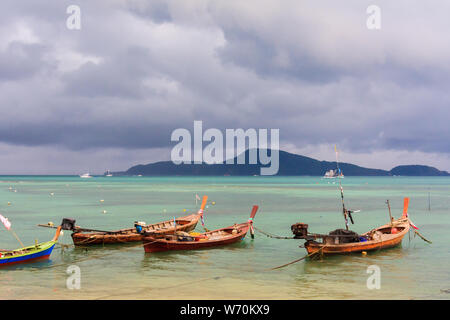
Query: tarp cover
[[350, 236]]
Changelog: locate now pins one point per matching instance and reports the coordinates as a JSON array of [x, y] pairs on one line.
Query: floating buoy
[[104, 211], [364, 253], [184, 210], [213, 203], [9, 203], [52, 194], [164, 210], [102, 200]]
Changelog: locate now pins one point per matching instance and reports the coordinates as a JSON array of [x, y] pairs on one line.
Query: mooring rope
[[271, 235], [421, 236], [302, 258]]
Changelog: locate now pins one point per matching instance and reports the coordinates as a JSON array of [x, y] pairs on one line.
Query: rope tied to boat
[[271, 235], [302, 258], [421, 236]]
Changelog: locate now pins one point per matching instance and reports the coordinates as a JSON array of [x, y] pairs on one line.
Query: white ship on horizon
[[331, 174], [86, 175]]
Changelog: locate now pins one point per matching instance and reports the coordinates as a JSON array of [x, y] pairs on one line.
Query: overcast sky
[[109, 95]]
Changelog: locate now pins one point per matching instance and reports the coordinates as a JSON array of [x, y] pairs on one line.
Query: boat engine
[[68, 224], [300, 230]]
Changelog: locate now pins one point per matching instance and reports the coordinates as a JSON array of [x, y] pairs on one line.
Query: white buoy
[[102, 200], [52, 194], [104, 211]]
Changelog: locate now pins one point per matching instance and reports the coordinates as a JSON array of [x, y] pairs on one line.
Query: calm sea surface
[[416, 270]]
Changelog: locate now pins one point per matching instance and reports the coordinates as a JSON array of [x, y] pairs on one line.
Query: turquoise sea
[[416, 270]]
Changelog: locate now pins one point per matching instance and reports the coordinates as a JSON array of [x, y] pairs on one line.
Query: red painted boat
[[183, 241]]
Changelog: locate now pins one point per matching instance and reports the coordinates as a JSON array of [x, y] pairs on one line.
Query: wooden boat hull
[[387, 240], [187, 223], [153, 244], [40, 251]]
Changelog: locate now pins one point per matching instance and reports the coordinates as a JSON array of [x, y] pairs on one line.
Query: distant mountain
[[417, 170], [289, 165]]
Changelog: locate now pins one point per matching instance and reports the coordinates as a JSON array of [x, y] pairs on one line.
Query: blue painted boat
[[39, 251]]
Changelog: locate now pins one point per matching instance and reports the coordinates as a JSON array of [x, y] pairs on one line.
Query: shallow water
[[416, 270]]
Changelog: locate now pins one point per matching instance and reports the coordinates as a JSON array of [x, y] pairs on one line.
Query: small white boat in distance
[[333, 174], [86, 175], [108, 174]]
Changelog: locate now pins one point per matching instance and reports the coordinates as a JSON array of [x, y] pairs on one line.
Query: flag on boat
[[197, 197], [405, 213], [5, 222]]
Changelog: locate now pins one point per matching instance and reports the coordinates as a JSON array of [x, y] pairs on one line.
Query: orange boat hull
[[386, 241]]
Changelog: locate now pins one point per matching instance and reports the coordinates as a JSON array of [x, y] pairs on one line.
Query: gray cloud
[[139, 69]]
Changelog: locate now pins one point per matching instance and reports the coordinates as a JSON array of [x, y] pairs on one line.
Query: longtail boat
[[84, 236], [340, 241], [184, 241], [39, 251]]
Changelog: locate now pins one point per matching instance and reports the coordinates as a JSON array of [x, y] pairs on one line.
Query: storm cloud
[[109, 95]]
